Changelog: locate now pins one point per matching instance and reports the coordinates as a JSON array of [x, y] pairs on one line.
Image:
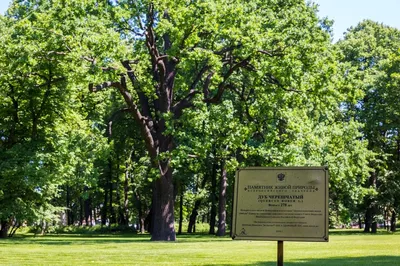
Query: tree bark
[[368, 220], [374, 227], [222, 202], [393, 221], [371, 209], [213, 211], [4, 229], [163, 208]]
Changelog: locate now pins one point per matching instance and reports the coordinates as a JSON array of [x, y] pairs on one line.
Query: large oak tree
[[189, 53]]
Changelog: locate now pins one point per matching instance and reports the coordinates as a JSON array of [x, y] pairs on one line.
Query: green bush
[[201, 228], [72, 229]]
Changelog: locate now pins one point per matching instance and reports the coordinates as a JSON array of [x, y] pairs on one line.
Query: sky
[[345, 13]]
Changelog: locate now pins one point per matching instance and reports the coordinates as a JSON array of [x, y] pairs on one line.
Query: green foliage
[[369, 57], [45, 139], [258, 84]]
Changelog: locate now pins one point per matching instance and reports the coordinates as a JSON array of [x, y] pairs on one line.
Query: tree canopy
[[114, 108]]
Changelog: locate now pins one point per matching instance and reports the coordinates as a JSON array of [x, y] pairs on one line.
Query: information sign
[[281, 204]]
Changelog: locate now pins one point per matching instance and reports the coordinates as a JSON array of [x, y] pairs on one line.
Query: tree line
[[139, 112]]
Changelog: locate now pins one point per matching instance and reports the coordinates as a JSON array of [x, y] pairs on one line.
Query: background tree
[[367, 54]]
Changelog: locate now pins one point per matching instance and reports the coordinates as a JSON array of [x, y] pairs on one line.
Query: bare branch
[[160, 58], [206, 86], [243, 63], [143, 99], [142, 121], [273, 80], [222, 86], [199, 76], [140, 22], [91, 60], [166, 38], [186, 102]]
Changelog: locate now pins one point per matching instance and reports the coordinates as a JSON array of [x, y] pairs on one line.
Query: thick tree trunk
[[4, 229], [393, 221], [222, 202], [163, 208]]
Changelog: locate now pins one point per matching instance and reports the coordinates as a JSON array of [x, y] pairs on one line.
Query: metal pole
[[280, 253]]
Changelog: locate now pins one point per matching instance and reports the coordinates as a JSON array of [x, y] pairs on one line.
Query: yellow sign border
[[325, 238]]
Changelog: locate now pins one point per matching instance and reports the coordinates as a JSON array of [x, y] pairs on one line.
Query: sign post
[[281, 204], [280, 253]]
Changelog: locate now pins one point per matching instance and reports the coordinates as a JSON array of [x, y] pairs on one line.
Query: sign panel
[[285, 203]]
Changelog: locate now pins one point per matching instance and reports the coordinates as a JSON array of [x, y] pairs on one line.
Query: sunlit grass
[[344, 248]]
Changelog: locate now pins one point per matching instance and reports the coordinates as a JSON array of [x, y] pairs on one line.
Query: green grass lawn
[[343, 248]]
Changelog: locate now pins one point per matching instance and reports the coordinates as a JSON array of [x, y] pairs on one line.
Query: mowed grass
[[344, 248]]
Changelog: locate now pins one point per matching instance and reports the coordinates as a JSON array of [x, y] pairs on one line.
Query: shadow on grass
[[68, 239], [109, 238], [340, 261], [359, 232]]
